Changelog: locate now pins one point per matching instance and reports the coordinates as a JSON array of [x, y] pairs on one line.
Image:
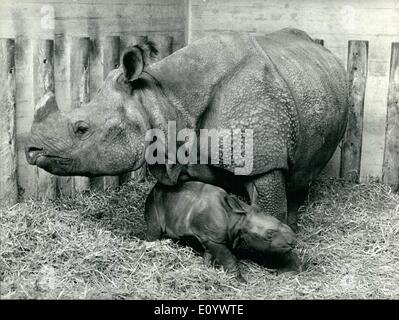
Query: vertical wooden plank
[[333, 166], [390, 168], [111, 55], [96, 67], [65, 184], [79, 88], [188, 19], [43, 81], [8, 156], [96, 82], [26, 174], [352, 142]]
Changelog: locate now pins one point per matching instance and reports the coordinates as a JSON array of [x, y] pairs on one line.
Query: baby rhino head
[[264, 232], [261, 232]]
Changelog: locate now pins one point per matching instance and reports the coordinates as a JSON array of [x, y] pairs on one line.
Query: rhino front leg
[[222, 255], [268, 192]]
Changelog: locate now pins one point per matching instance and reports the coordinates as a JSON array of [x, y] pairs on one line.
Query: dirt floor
[[92, 246]]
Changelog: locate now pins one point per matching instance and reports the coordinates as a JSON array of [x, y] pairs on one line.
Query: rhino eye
[[81, 128]]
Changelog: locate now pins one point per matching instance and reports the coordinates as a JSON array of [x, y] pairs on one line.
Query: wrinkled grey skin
[[219, 222], [291, 91]]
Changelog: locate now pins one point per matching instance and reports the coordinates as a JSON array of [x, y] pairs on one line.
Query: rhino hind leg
[[268, 192]]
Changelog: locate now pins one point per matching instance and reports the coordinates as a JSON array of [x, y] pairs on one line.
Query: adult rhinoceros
[[289, 90]]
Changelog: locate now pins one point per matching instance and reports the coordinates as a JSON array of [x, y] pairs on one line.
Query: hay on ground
[[92, 246]]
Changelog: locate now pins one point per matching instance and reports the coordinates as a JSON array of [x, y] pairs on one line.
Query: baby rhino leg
[[221, 255], [154, 230], [208, 258]]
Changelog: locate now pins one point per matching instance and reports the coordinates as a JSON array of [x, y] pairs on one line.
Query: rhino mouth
[[53, 164], [50, 163], [42, 159]]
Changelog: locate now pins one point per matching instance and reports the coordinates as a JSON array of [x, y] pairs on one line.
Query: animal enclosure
[[70, 47], [66, 47], [93, 244]]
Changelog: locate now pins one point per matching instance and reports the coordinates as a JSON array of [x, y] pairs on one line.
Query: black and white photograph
[[202, 150]]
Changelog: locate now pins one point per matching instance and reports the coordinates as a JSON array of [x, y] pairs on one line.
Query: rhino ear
[[132, 63], [236, 205], [45, 106], [173, 171], [167, 174]]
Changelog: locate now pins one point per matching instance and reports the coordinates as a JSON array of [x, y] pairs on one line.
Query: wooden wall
[[334, 21], [29, 22]]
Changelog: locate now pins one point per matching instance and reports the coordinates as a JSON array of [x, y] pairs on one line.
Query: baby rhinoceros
[[220, 222]]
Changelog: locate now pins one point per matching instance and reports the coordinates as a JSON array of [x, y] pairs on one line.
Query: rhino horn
[[45, 106]]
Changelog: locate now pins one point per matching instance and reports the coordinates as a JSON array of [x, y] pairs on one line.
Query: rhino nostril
[[32, 151]]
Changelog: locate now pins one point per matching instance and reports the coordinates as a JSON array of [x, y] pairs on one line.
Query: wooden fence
[[47, 185], [42, 184]]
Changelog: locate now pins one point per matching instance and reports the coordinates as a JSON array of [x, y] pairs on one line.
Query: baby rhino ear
[[256, 208], [236, 205]]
